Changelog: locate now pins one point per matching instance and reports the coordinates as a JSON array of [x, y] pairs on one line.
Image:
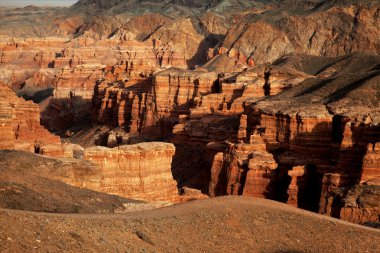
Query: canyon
[[132, 105]]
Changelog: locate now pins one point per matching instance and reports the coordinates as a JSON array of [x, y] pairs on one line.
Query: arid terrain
[[222, 224], [125, 124]]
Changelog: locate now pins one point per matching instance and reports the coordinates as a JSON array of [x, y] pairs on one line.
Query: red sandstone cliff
[[20, 123], [141, 171]]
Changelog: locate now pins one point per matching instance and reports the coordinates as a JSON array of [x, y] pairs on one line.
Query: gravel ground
[[225, 224]]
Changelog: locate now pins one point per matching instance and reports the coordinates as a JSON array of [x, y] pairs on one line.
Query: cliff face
[[288, 125], [371, 163], [245, 169], [151, 105], [320, 137], [71, 69], [141, 171], [20, 123], [281, 145]]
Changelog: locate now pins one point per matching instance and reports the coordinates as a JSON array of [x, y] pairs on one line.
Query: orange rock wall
[[371, 163], [140, 171], [20, 123], [245, 169]]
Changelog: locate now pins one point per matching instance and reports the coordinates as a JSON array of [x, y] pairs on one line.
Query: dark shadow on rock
[[320, 83], [200, 57], [37, 95], [342, 92], [318, 157], [60, 114]]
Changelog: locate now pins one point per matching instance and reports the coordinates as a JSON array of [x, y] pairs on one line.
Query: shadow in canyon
[[37, 95], [61, 114], [355, 84], [321, 157], [320, 150], [200, 57]]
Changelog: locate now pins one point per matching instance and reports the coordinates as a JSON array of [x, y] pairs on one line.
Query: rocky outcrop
[[261, 177], [358, 204], [361, 205], [65, 150], [182, 34], [73, 67], [330, 183], [304, 189], [319, 138], [140, 27], [152, 106], [371, 163], [187, 106], [20, 123], [244, 169], [140, 171]]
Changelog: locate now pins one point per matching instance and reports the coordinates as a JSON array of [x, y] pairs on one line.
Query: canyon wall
[[140, 171], [321, 132], [20, 123], [61, 74]]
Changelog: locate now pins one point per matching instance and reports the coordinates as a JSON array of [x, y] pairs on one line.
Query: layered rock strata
[[320, 137], [20, 123], [152, 106], [140, 171], [371, 163], [245, 169], [358, 204]]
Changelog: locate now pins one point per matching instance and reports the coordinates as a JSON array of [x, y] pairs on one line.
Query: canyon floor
[[223, 224]]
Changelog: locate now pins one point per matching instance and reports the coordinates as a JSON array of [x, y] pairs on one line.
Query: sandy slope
[[225, 224]]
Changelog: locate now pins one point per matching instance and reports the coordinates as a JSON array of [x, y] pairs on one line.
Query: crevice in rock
[[267, 84], [338, 125]]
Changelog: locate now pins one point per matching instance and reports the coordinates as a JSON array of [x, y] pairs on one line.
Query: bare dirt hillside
[[225, 224]]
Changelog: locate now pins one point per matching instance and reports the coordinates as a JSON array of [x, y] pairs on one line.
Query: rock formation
[[20, 123], [320, 136], [140, 171], [358, 204], [203, 112], [297, 184], [247, 168], [371, 163]]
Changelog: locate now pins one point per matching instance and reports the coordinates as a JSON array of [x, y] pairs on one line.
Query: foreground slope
[[223, 224], [36, 183]]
